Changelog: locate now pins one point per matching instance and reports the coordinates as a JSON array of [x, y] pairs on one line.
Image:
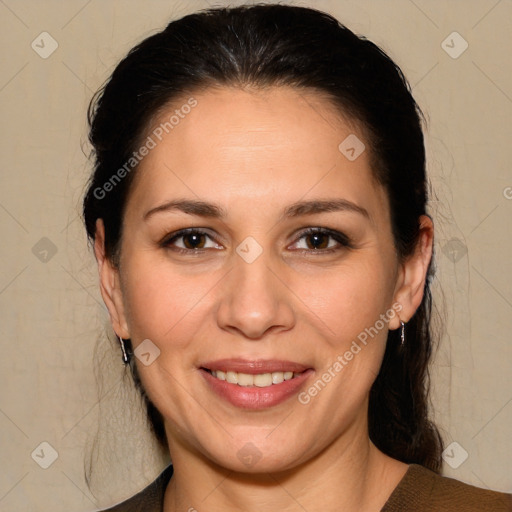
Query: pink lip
[[254, 367], [255, 397]]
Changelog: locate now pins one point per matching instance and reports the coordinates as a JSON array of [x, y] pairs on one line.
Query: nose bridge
[[253, 298], [254, 278]]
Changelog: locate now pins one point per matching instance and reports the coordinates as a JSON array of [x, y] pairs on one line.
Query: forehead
[[269, 144]]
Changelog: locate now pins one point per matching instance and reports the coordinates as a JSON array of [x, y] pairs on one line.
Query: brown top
[[420, 490], [423, 490]]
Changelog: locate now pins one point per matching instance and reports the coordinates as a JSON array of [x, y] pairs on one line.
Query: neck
[[351, 474]]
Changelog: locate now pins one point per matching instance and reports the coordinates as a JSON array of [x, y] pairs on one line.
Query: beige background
[[52, 312]]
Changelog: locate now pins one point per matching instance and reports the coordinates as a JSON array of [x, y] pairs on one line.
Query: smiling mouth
[[260, 380]]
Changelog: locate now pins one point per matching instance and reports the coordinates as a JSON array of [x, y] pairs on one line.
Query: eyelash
[[341, 238]]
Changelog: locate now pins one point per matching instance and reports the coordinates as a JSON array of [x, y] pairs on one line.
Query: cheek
[[162, 303], [354, 307], [347, 300]]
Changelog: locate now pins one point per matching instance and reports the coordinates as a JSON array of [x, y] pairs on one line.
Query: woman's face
[[247, 291]]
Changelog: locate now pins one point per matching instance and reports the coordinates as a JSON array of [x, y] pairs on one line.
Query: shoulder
[[150, 499], [422, 489]]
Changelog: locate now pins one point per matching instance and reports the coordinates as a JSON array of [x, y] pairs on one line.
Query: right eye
[[193, 241]]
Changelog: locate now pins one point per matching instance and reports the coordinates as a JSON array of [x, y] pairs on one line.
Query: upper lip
[[254, 367]]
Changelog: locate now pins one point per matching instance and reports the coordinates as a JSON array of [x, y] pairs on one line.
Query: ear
[[413, 274], [110, 284]]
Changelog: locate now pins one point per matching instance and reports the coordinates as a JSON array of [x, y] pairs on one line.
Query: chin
[[257, 454]]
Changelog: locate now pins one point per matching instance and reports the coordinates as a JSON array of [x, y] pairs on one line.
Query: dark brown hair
[[272, 45]]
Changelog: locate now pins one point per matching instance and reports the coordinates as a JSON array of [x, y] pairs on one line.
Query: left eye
[[316, 240]]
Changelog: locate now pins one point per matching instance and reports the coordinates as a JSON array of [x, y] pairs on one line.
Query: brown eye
[[323, 241], [189, 240], [193, 240], [317, 240]]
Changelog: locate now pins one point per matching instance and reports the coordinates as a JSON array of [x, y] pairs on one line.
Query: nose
[[254, 300]]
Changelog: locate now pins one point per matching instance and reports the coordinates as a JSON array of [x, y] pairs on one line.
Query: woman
[[258, 213]]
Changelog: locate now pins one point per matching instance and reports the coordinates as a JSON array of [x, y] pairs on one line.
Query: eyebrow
[[300, 208]]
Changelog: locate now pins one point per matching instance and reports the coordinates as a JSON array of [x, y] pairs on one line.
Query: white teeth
[[277, 377], [260, 380], [244, 379], [232, 377]]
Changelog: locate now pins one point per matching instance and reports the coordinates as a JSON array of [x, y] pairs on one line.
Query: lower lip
[[255, 397]]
